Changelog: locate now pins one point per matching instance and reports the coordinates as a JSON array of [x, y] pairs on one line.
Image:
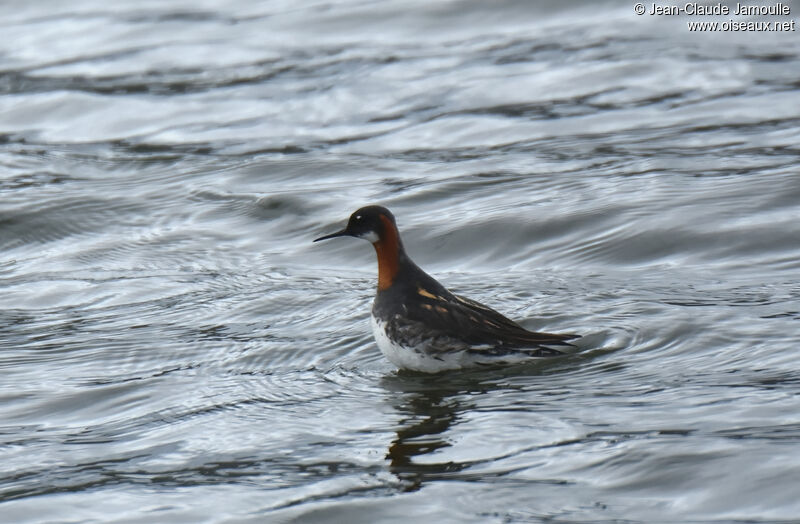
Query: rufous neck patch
[[388, 250]]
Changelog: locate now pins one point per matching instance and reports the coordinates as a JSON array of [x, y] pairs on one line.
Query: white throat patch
[[370, 236]]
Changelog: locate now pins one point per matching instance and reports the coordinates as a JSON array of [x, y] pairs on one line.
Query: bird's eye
[[358, 217]]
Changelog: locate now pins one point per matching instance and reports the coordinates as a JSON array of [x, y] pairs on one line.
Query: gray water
[[173, 348]]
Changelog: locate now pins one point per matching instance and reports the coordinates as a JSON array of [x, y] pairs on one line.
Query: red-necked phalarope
[[421, 326]]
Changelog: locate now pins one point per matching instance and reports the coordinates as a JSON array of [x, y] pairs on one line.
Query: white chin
[[370, 236]]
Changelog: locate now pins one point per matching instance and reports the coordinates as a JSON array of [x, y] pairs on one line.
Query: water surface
[[175, 349]]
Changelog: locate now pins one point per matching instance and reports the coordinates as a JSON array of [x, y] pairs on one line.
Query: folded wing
[[460, 321]]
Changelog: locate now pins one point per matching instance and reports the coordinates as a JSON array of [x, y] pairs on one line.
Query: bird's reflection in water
[[430, 405], [428, 409]]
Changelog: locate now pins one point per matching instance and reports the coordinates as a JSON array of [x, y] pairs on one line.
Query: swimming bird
[[421, 326]]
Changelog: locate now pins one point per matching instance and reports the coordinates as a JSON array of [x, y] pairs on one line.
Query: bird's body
[[419, 325]]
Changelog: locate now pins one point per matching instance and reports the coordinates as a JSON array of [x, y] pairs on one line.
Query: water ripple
[[174, 344]]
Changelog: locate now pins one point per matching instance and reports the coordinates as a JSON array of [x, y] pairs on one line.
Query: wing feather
[[460, 321]]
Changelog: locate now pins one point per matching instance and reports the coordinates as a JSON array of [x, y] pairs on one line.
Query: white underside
[[417, 359], [408, 358]]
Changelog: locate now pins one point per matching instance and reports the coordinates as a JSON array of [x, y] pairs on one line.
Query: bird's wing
[[481, 328]]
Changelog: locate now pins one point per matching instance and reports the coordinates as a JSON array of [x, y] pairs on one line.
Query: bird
[[420, 326]]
